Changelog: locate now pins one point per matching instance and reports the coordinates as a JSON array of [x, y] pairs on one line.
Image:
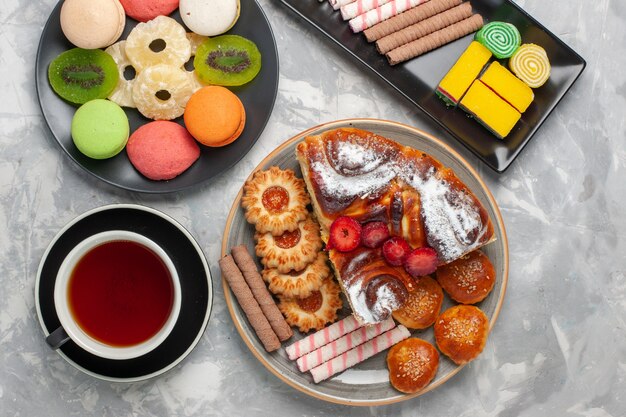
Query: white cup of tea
[[117, 295]]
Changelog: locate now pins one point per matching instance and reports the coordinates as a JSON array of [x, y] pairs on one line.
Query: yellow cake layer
[[490, 109], [463, 72], [508, 86]]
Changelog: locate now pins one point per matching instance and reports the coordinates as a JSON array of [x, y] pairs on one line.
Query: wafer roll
[[435, 40], [352, 10], [359, 353], [248, 304], [322, 337], [408, 18], [261, 294], [384, 12], [338, 3], [343, 344], [423, 28]]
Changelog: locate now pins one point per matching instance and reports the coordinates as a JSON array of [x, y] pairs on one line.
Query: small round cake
[[100, 129], [162, 150], [92, 24], [422, 307], [144, 10], [461, 333], [209, 17], [469, 279], [215, 116], [412, 364]]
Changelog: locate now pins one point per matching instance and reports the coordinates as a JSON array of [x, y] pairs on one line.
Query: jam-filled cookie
[[421, 308], [275, 201], [314, 311], [461, 333], [469, 279], [412, 365], [291, 250], [298, 284]]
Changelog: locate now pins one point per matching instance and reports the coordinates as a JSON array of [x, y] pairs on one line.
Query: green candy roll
[[501, 38]]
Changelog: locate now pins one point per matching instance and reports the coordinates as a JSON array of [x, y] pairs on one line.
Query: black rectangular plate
[[418, 78]]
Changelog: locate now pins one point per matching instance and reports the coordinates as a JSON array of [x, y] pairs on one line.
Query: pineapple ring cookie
[[161, 40]]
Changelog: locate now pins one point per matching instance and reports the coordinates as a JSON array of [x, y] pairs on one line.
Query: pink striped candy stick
[[352, 10], [338, 3], [322, 337], [379, 14], [347, 342], [359, 353]]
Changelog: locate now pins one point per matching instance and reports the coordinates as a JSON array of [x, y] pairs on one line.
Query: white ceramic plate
[[367, 383]]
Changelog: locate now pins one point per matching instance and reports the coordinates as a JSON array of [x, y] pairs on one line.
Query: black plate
[[418, 78], [258, 98], [195, 282]]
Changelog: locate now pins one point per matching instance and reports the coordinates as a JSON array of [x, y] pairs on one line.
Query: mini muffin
[[469, 279], [92, 24], [422, 306], [144, 10], [412, 364], [215, 116], [162, 150], [461, 333]]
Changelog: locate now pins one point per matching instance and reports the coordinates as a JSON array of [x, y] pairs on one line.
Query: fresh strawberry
[[345, 234], [374, 234], [421, 261], [395, 249]]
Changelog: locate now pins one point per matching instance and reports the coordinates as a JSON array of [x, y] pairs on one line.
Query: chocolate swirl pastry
[[356, 173], [375, 288]]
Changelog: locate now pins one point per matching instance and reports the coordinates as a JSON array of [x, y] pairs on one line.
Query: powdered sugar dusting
[[352, 156], [386, 302], [357, 169], [451, 218], [341, 187]]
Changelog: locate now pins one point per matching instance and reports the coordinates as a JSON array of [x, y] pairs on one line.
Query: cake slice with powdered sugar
[[356, 173]]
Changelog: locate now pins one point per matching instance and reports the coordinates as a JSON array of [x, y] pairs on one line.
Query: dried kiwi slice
[[80, 75], [227, 60]]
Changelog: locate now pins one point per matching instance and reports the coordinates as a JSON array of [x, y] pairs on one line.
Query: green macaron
[[100, 129]]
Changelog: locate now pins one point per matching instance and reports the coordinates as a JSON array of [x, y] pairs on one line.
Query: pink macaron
[[162, 150], [144, 10]]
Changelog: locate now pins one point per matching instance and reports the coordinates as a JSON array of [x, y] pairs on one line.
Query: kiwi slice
[[228, 60], [80, 75]]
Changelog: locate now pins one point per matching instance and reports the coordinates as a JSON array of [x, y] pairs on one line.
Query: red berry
[[345, 234], [395, 249], [421, 261], [374, 234]]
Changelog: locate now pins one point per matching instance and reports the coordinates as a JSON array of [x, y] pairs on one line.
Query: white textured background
[[559, 347]]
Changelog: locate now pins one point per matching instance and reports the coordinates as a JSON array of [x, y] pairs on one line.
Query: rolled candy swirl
[[501, 38], [530, 64]]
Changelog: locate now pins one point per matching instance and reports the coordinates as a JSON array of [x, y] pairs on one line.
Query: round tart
[[469, 279], [298, 284], [421, 308], [412, 365], [314, 311], [275, 201], [461, 333], [291, 251]]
